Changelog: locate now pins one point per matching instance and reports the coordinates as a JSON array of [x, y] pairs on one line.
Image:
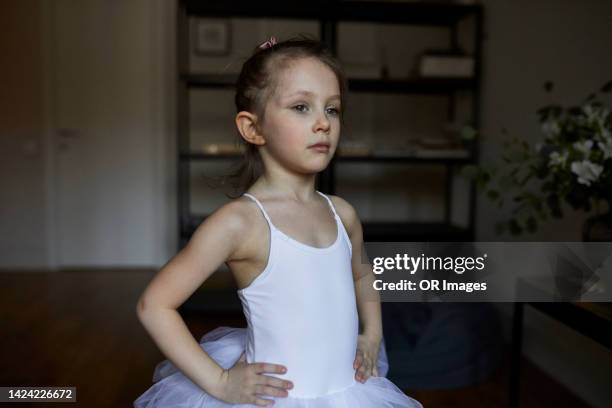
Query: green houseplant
[[572, 163]]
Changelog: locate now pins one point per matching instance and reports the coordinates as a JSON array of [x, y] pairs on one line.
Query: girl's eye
[[334, 111]]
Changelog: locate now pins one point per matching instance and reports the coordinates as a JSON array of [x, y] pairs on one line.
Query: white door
[[106, 196]]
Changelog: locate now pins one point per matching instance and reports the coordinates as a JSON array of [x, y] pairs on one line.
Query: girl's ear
[[246, 123]]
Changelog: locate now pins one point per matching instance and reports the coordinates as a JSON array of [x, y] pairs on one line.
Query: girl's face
[[304, 111]]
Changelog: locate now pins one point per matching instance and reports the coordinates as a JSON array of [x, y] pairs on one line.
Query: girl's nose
[[322, 123]]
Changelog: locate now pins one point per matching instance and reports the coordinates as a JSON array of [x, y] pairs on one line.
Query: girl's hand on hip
[[366, 358], [245, 383]]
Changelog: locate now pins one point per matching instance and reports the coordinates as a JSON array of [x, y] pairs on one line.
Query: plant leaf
[[492, 194], [468, 133], [515, 227]]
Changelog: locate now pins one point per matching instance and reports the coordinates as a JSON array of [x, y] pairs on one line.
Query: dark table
[[593, 320]]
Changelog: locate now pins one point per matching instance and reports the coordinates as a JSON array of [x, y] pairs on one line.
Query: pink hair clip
[[268, 43]]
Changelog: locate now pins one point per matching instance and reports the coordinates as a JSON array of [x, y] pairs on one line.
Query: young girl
[[295, 253]]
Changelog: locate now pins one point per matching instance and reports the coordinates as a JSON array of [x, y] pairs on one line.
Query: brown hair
[[256, 84]]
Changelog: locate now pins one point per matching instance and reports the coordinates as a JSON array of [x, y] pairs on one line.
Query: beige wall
[[22, 171], [135, 191]]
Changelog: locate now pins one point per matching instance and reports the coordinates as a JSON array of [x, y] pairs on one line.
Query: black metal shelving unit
[[329, 14]]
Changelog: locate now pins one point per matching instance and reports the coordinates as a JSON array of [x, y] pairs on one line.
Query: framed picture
[[212, 36]]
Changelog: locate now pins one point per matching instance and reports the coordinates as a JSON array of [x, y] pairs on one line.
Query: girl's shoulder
[[346, 212], [228, 233], [235, 216]]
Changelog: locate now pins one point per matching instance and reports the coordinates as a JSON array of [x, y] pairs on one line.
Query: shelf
[[329, 14], [406, 86], [208, 156], [210, 80], [417, 13], [380, 231], [414, 85], [408, 158], [413, 159]]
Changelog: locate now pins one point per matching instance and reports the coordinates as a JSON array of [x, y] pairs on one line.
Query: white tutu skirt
[[225, 345]]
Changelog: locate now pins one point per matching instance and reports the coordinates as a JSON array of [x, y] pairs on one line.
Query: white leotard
[[302, 313]]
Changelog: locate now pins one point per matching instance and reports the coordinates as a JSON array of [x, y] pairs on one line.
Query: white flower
[[586, 171], [604, 132], [557, 159], [606, 147], [550, 128], [591, 114], [538, 147], [595, 115], [584, 147], [589, 111]]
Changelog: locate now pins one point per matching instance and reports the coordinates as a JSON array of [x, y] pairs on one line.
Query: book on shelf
[[445, 64], [423, 147], [354, 149], [222, 148]]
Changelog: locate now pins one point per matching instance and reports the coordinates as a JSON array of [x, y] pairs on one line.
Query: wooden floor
[[79, 328]]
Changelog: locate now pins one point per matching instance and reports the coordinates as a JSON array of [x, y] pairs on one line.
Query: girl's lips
[[320, 147]]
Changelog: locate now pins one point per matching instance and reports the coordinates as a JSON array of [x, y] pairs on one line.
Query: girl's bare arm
[[214, 242], [368, 299]]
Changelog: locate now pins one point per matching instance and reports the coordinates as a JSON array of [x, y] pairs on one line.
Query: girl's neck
[[298, 189]]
